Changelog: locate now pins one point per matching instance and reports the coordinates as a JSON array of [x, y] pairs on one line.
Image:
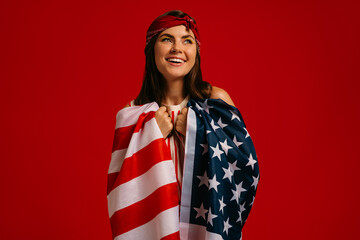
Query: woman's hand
[[180, 124], [164, 121]]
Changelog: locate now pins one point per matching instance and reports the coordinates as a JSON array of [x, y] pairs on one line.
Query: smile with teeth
[[175, 60]]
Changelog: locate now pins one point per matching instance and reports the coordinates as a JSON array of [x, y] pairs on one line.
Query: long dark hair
[[153, 86]]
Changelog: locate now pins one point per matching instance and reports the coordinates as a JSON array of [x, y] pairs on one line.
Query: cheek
[[192, 57], [157, 56], [160, 51]]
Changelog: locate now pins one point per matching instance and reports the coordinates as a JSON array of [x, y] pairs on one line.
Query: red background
[[291, 67]]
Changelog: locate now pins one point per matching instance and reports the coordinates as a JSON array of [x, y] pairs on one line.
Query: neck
[[174, 92]]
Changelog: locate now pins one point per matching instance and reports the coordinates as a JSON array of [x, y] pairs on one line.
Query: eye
[[188, 41], [166, 39]]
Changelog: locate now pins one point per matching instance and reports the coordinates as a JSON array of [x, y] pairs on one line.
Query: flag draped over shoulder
[[221, 172], [220, 176], [142, 190]]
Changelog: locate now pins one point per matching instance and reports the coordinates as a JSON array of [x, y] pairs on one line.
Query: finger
[[184, 111], [168, 120], [162, 109], [167, 115]]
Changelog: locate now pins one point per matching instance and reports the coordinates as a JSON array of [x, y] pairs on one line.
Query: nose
[[176, 47]]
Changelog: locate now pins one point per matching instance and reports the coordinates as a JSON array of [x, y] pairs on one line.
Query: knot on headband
[[189, 23], [168, 21]]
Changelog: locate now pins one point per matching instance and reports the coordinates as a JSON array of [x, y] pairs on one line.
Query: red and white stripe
[[143, 201], [176, 141], [175, 144]]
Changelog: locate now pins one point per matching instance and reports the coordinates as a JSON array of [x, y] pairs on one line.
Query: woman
[[173, 81], [173, 73]]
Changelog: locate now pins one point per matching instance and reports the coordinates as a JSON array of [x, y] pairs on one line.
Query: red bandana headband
[[169, 21]]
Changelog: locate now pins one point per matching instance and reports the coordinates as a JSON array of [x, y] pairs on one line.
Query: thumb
[[184, 111], [162, 109]]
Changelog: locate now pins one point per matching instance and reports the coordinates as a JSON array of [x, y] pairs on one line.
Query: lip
[[175, 64], [175, 57]]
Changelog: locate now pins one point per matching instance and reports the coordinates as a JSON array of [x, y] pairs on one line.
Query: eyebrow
[[171, 36]]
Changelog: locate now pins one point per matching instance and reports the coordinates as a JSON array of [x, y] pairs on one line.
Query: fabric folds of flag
[[142, 192], [220, 176], [221, 172]]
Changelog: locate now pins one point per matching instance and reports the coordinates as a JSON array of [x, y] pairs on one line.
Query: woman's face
[[175, 52]]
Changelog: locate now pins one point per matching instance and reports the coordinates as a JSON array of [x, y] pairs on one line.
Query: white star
[[225, 146], [234, 116], [201, 211], [222, 205], [227, 226], [217, 151], [214, 127], [255, 182], [228, 174], [251, 162], [239, 219], [208, 131], [213, 183], [242, 207], [205, 106], [252, 201], [233, 166], [198, 107], [236, 142], [203, 179], [237, 192], [247, 133], [211, 217], [221, 124], [206, 148]]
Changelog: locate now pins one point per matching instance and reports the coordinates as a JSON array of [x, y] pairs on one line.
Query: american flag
[[221, 172], [143, 200], [219, 182]]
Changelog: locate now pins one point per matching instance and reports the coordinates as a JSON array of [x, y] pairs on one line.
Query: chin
[[174, 75]]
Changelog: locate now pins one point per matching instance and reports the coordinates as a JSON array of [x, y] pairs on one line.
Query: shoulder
[[217, 93]]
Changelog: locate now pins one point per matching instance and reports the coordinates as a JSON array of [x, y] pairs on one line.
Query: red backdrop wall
[[291, 67]]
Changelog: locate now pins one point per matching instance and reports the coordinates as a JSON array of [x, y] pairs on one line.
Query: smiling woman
[[175, 52], [179, 134], [165, 40]]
